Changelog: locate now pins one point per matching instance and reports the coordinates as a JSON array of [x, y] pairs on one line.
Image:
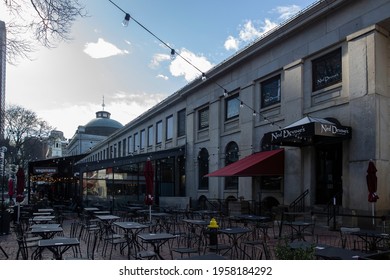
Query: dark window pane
[[142, 139], [159, 132], [204, 118], [169, 128], [181, 123], [270, 91], [327, 70], [232, 107], [150, 136], [231, 183], [203, 160]]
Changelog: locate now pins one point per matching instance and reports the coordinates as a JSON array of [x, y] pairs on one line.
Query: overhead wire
[[128, 17]]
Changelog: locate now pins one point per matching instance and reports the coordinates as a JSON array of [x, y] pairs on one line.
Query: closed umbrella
[[149, 177], [10, 188], [20, 184], [372, 187]]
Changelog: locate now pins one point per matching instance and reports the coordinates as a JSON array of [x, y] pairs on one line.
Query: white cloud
[[161, 76], [231, 43], [187, 67], [250, 31], [157, 59], [286, 12], [103, 49], [180, 67], [140, 99], [128, 106]]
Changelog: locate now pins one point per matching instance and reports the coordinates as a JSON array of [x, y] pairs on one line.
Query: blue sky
[[127, 65]]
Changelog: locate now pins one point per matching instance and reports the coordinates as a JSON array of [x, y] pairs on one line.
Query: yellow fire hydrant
[[213, 232], [213, 223]]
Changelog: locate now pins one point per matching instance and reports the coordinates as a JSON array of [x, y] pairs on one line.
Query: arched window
[[203, 163], [231, 155]]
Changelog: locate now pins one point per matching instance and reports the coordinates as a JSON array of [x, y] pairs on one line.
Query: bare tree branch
[[51, 23]]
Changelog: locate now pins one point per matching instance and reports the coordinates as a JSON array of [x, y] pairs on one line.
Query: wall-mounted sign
[[45, 170]]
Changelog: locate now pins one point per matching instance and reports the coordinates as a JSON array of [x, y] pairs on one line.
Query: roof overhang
[[309, 131], [259, 164]]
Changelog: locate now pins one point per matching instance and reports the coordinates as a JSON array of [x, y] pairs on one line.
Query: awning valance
[[308, 131], [258, 164]]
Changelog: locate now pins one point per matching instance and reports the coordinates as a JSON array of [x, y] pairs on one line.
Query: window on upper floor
[[136, 142], [124, 147], [119, 149], [159, 132], [232, 107], [169, 128], [142, 139], [327, 70], [270, 91], [130, 145], [150, 136], [203, 118], [181, 123]]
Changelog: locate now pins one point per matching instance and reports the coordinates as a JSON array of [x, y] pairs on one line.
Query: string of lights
[[174, 53]]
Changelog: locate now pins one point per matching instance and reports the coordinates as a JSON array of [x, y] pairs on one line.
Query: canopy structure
[[258, 164], [308, 131]]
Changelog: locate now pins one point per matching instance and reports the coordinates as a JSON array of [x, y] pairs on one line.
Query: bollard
[[213, 232]]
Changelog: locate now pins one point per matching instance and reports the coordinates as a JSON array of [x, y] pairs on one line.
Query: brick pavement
[[9, 244]]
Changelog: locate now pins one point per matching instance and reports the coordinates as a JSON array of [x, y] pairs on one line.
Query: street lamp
[[3, 150]]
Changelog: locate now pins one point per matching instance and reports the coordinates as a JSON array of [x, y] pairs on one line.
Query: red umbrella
[[10, 188], [20, 185], [149, 176], [372, 182], [372, 187]]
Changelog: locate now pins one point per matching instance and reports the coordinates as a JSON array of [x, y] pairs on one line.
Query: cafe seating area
[[167, 233]]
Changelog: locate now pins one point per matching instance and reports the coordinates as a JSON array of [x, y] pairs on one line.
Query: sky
[[127, 68]]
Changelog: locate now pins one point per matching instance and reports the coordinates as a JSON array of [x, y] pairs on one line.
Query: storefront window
[[203, 162], [271, 183], [231, 183]]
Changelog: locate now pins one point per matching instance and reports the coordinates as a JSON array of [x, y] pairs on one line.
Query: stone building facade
[[329, 66]]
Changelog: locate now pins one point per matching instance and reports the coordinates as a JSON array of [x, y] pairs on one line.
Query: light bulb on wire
[[173, 54], [126, 20]]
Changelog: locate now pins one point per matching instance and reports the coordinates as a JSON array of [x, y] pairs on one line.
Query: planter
[[5, 220]]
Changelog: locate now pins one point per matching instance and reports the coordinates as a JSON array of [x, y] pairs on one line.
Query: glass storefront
[[113, 187]]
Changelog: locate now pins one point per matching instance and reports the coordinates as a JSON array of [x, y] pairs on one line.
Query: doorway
[[329, 173]]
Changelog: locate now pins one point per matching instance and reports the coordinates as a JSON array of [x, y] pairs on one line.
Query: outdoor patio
[[175, 234]]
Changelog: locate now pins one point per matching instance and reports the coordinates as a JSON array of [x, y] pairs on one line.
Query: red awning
[[258, 164]]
